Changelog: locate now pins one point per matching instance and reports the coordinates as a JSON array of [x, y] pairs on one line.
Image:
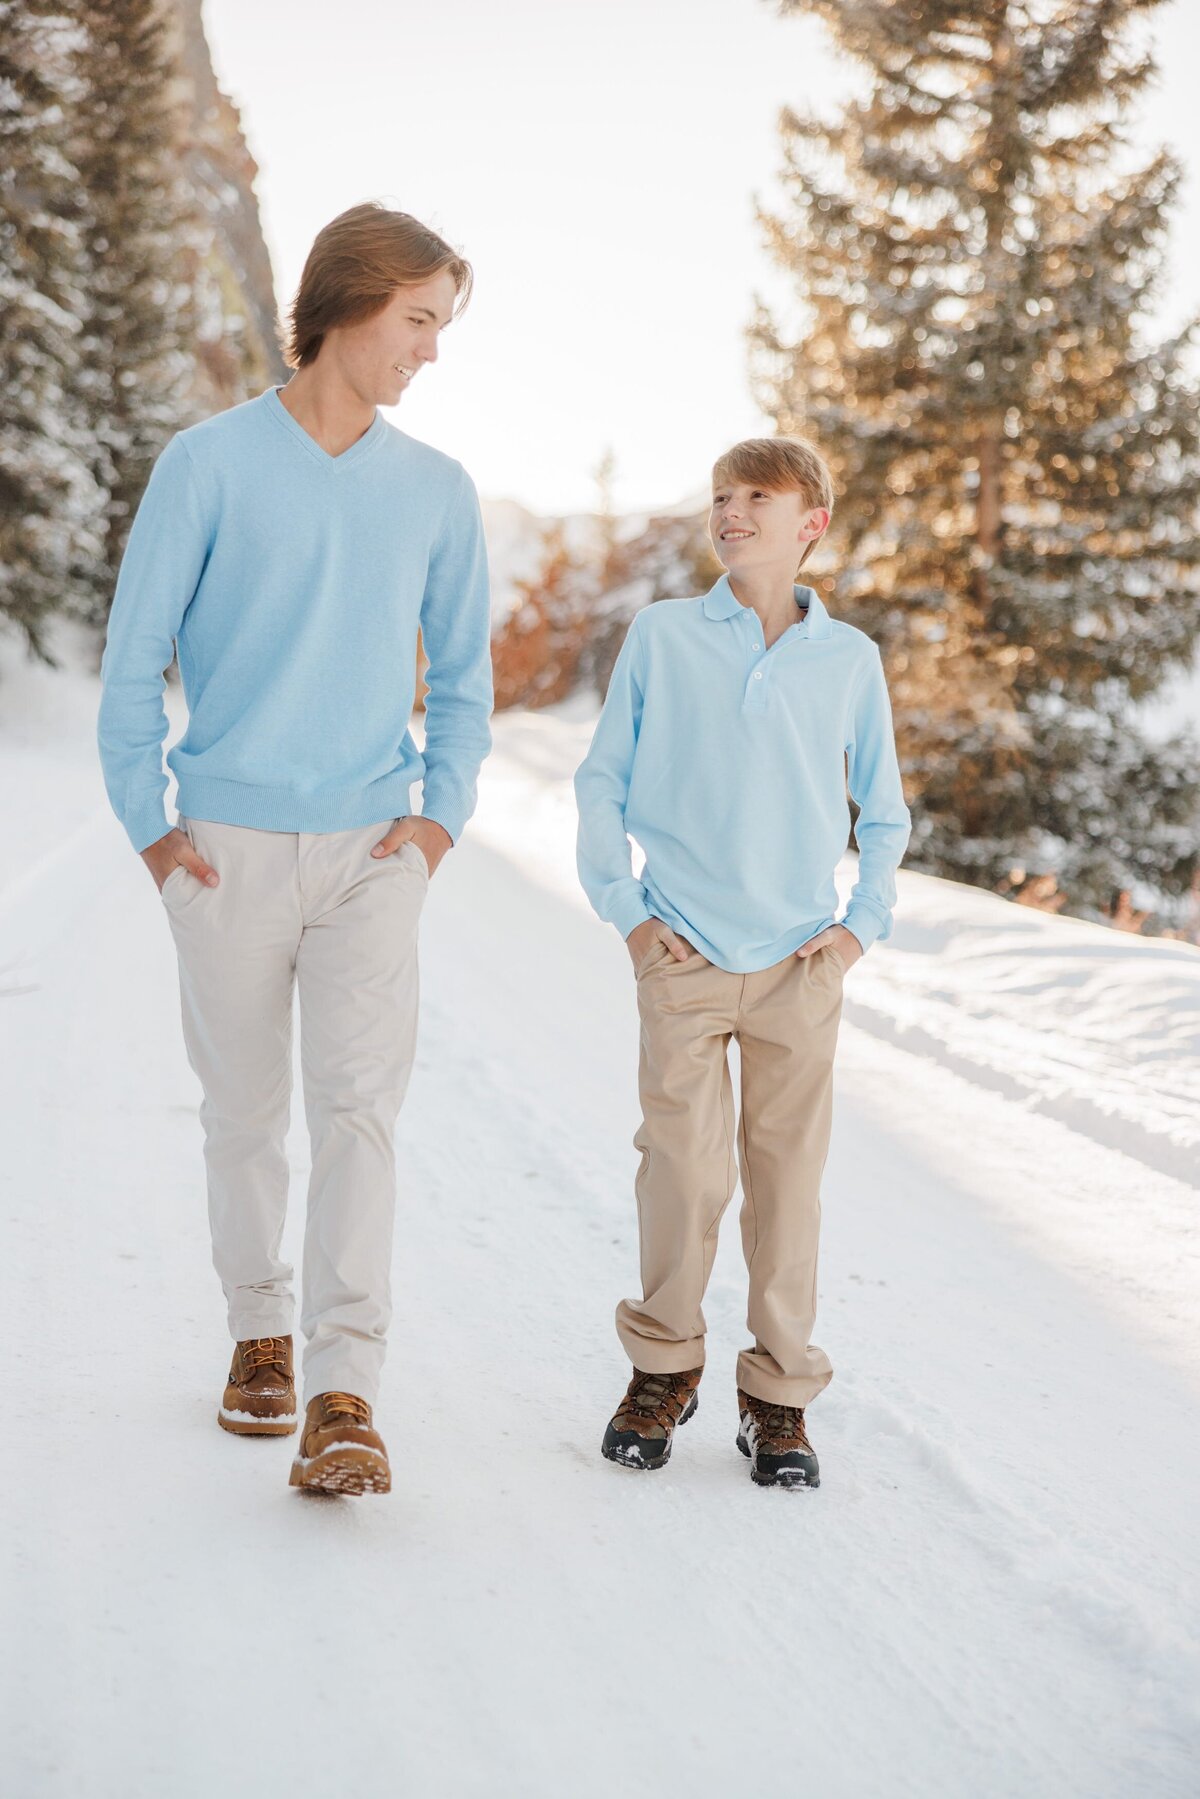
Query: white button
[[756, 646], [758, 674]]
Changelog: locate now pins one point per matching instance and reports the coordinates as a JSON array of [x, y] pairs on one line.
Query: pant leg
[[787, 1034], [688, 1169], [357, 978], [236, 945]]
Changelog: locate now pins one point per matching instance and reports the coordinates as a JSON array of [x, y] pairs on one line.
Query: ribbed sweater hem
[[281, 809]]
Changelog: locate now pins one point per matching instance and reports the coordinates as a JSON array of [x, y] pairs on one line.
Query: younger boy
[[733, 724]]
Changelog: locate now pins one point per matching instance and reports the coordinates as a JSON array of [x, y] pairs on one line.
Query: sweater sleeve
[[456, 627], [603, 855], [883, 825], [164, 558]]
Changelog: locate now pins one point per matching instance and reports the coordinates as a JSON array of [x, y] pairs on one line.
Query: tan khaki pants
[[785, 1020], [315, 913]]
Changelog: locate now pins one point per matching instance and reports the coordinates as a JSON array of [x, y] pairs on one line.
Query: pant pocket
[[179, 875], [416, 856], [171, 880], [657, 950]]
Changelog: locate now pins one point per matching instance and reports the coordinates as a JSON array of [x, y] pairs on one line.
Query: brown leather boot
[[774, 1438], [260, 1399], [340, 1451], [640, 1431]]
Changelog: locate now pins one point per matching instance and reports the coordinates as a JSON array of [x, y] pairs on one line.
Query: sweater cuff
[[440, 808], [630, 911], [438, 818], [863, 924], [146, 825]]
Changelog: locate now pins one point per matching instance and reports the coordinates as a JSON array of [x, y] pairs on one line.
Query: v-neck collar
[[362, 446]]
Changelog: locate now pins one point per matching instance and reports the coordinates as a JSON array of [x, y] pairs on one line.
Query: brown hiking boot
[[260, 1399], [640, 1431], [774, 1438], [340, 1452]]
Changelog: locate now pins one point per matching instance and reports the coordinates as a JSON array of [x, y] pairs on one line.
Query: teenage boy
[[290, 548], [732, 726]]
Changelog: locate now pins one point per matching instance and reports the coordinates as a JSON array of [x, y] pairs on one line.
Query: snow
[[258, 1417], [514, 552], [1176, 707], [995, 1590]]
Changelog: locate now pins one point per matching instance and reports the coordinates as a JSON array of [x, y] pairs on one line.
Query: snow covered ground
[[995, 1591]]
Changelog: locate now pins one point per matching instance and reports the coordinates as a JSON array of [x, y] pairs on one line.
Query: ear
[[814, 524]]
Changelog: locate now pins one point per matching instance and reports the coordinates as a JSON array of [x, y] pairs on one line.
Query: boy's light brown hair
[[779, 465], [355, 266]]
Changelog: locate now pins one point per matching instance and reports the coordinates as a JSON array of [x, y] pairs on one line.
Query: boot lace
[[781, 1421], [657, 1396], [345, 1405], [264, 1352]]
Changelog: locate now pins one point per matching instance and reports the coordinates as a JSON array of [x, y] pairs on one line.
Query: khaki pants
[[785, 1020], [315, 913]]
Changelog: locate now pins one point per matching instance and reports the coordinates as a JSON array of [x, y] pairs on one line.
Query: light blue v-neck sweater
[[294, 583]]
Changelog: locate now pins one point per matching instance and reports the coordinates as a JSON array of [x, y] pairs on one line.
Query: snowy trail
[[995, 1591]]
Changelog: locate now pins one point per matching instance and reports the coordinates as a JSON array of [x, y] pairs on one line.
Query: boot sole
[[244, 1424], [779, 1477], [347, 1468], [615, 1453]]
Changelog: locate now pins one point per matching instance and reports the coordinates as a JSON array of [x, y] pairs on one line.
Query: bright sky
[[598, 165]]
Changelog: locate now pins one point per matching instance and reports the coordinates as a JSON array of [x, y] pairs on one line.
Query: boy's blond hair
[[780, 465]]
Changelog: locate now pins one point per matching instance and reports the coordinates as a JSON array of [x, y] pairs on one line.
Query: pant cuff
[[778, 1389], [330, 1376], [243, 1326], [653, 1355]]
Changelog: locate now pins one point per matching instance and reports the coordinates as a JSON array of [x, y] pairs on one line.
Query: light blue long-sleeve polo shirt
[[294, 583], [728, 764]]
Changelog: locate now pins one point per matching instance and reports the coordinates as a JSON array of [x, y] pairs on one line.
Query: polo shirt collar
[[721, 602]]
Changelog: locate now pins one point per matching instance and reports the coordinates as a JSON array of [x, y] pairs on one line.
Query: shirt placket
[[760, 662]]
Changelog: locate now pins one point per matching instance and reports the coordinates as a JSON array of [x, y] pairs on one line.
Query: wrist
[[444, 840]]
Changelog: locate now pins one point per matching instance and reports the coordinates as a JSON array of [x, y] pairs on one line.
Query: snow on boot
[[774, 1438], [340, 1450], [640, 1431], [260, 1398]]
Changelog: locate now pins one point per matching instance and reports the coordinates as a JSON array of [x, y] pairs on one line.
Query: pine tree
[[536, 653], [49, 499], [1018, 462], [662, 557], [141, 232]]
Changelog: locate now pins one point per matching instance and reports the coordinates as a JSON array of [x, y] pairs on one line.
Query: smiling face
[[753, 528], [383, 355]]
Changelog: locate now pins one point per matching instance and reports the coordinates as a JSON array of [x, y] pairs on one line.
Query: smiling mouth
[[402, 370], [735, 536]]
